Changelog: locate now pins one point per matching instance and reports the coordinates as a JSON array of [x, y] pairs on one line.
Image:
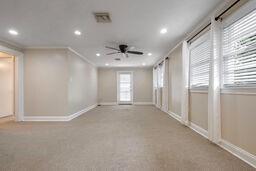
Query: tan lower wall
[[238, 120], [198, 110]]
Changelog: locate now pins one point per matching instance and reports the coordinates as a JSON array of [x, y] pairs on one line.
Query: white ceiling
[[51, 23]]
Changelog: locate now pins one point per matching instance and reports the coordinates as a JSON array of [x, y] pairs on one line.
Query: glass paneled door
[[125, 87]]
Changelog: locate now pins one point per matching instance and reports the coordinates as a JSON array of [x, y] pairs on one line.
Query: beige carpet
[[111, 138]]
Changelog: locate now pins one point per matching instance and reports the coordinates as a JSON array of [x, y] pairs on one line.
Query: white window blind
[[160, 75], [155, 77], [239, 52], [200, 62]]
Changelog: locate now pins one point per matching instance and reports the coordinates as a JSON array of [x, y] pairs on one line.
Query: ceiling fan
[[123, 49]]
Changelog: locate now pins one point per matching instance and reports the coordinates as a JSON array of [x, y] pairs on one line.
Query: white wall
[[57, 82], [45, 82], [82, 86], [142, 80]]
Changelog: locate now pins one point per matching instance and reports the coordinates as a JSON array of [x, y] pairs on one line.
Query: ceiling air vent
[[117, 59], [102, 17]]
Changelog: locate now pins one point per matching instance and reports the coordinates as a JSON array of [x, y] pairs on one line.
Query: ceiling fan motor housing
[[123, 48]]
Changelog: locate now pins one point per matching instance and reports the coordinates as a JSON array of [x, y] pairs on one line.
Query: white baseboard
[[115, 103], [174, 115], [143, 103], [46, 118], [192, 126], [58, 118], [198, 129], [108, 103], [82, 112], [238, 152]]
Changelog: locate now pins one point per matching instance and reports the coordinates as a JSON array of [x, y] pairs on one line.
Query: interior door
[[125, 87], [6, 86]]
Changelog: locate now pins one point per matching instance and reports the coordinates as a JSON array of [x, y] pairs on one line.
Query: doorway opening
[[11, 83], [7, 86], [124, 87]]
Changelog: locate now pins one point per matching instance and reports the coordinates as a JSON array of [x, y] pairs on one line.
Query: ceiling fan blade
[[112, 48], [112, 53], [135, 52]]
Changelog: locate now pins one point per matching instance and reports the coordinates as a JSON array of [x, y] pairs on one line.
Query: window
[[239, 52], [155, 77], [200, 62], [160, 76]]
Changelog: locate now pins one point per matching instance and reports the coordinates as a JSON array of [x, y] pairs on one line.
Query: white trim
[[238, 152], [174, 115], [82, 56], [191, 125], [198, 129], [135, 103], [239, 91], [46, 118], [204, 91], [185, 84], [11, 45], [18, 83], [75, 115], [46, 47], [143, 103], [108, 103], [58, 118]]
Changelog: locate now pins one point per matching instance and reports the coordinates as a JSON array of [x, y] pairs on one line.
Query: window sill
[[198, 91], [239, 91]]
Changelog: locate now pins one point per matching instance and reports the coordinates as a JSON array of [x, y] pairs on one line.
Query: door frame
[[118, 89], [18, 81]]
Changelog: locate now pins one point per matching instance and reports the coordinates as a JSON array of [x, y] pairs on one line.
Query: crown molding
[[62, 48]]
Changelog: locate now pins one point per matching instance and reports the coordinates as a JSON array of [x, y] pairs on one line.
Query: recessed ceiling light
[[149, 54], [13, 32], [144, 64], [77, 32], [97, 54], [107, 64], [163, 30]]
